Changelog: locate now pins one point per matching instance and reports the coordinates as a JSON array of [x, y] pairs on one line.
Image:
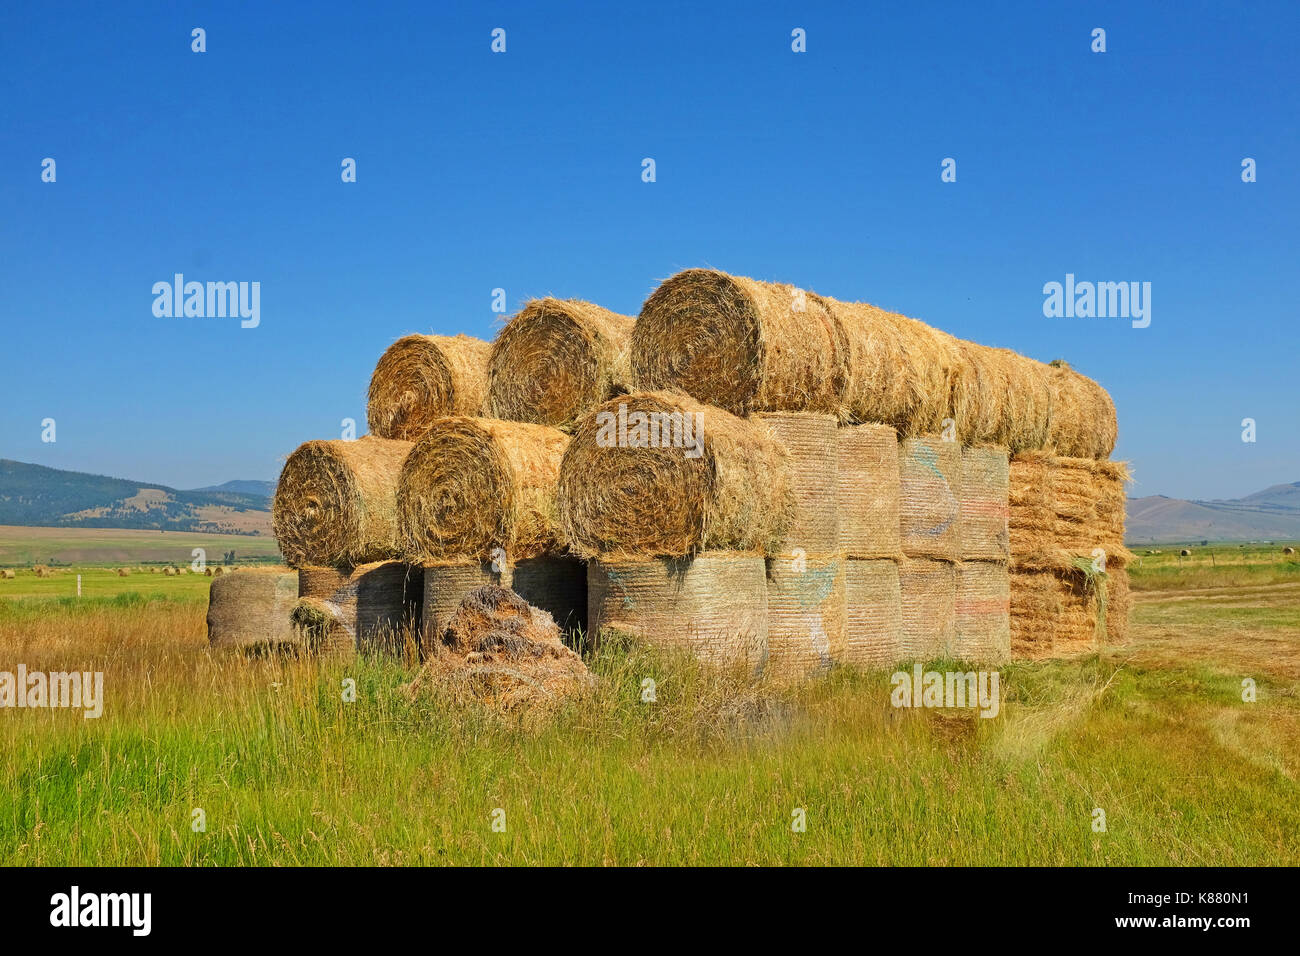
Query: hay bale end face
[[983, 612], [252, 609], [556, 360], [809, 439], [928, 591], [659, 474], [1288, 550], [474, 488], [336, 503], [421, 378]]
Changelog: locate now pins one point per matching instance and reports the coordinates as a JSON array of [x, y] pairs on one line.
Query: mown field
[[99, 547], [1155, 733]]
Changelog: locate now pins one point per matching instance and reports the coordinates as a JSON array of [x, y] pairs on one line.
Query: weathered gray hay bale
[[473, 487], [928, 598], [873, 617], [8, 574], [805, 616], [421, 378], [252, 610], [373, 607], [1083, 422], [741, 344], [557, 584], [558, 359], [810, 443], [625, 492], [983, 612], [929, 494], [445, 585], [868, 490], [984, 504], [712, 606], [336, 503]]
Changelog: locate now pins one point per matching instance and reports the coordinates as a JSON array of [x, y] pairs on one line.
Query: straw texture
[[421, 378], [810, 444], [873, 617], [805, 612], [984, 504], [928, 591], [929, 495], [374, 607], [252, 608], [983, 612], [868, 491], [445, 585]]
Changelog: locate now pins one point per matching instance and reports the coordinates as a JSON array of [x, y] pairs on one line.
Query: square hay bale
[[928, 591], [868, 491], [805, 612], [983, 612], [984, 501], [873, 615], [929, 494]]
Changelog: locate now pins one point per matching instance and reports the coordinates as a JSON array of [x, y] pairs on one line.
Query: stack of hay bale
[[749, 472]]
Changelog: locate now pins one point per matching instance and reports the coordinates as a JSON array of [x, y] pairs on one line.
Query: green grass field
[[98, 547], [1155, 733]]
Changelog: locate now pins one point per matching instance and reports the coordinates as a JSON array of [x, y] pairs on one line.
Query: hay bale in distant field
[[928, 600], [558, 359], [983, 504], [1184, 553], [476, 487], [712, 605], [867, 491], [8, 574], [336, 502], [873, 616], [810, 443], [218, 571], [1083, 422], [806, 607], [629, 488], [252, 610], [169, 572], [182, 571], [207, 572], [983, 611], [41, 571], [373, 607], [445, 585], [421, 378], [929, 492], [556, 584], [1288, 550], [741, 344], [123, 572]]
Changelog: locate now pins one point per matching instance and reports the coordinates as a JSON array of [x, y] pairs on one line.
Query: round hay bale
[[810, 443], [154, 571], [421, 378], [207, 572], [1083, 422], [169, 572], [1035, 608], [182, 571], [629, 488], [472, 486], [712, 606], [373, 607], [984, 504], [336, 502], [123, 572], [8, 574], [873, 616], [1001, 398], [252, 610], [556, 584], [928, 601], [805, 616], [41, 571], [1288, 550], [445, 585], [867, 491], [929, 492], [983, 612], [1184, 553], [558, 359], [741, 344]]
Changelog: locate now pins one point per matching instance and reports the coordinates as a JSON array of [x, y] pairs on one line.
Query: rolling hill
[[33, 495], [1269, 515]]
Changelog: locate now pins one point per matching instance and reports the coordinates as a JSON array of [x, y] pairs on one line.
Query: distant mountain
[[255, 489], [1269, 515], [34, 495]]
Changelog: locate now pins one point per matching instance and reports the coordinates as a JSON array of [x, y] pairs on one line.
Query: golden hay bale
[[1060, 614], [928, 600], [983, 503], [1083, 422], [1035, 607], [1119, 605], [207, 572], [1288, 550], [712, 606], [1063, 509], [474, 487], [556, 584], [741, 344], [810, 444], [421, 378], [445, 585], [336, 502], [805, 615], [252, 610], [169, 572], [1001, 398], [628, 488], [123, 572], [873, 616], [558, 359], [8, 574], [983, 612], [373, 607], [41, 571], [867, 491], [929, 493], [1184, 553]]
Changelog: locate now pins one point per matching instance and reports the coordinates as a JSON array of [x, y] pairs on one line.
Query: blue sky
[[522, 171]]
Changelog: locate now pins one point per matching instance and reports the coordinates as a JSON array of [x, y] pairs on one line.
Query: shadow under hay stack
[[421, 378], [371, 608]]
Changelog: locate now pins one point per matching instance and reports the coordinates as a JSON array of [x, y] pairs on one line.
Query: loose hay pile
[[480, 488], [558, 359], [336, 503], [421, 378], [659, 474], [252, 610]]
